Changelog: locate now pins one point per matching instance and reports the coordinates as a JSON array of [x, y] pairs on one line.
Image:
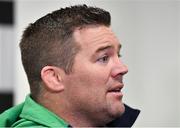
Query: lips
[[115, 92], [116, 88]]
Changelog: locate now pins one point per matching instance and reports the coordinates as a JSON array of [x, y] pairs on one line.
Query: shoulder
[[9, 116]]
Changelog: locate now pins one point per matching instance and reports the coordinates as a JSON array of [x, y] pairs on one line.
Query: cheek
[[89, 72], [93, 78], [89, 78], [87, 86]]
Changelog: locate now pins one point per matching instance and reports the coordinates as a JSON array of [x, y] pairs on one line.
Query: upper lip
[[116, 87]]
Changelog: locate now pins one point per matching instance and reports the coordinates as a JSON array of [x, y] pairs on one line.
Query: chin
[[117, 110], [112, 112]]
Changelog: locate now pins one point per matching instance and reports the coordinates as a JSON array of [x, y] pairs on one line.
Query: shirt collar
[[37, 113]]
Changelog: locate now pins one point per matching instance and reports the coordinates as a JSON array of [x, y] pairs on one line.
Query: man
[[71, 58]]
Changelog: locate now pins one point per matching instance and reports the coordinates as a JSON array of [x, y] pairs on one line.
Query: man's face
[[93, 89]]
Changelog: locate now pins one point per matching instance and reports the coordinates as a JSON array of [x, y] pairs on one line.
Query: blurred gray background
[[149, 31]]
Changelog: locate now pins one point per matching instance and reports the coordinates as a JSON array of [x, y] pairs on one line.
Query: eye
[[103, 59]]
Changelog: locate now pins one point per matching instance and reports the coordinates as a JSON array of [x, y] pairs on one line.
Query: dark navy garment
[[127, 119]]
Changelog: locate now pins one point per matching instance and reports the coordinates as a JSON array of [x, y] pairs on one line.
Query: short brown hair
[[49, 40]]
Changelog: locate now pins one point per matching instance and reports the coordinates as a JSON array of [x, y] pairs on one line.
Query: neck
[[71, 116], [77, 121], [79, 118]]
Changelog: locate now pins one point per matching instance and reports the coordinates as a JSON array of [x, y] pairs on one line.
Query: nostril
[[125, 69]]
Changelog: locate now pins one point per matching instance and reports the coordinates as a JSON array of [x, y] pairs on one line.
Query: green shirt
[[30, 114]]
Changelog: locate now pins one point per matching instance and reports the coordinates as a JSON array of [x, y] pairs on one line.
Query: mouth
[[116, 91]]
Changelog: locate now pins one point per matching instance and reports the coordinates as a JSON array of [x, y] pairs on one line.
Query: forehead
[[96, 36]]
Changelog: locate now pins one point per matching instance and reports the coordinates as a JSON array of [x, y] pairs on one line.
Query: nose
[[119, 69]]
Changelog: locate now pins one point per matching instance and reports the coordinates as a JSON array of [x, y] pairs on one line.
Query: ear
[[52, 79]]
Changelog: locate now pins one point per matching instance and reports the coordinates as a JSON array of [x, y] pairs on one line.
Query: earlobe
[[52, 79]]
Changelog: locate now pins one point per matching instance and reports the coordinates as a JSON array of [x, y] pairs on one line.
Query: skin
[[90, 95]]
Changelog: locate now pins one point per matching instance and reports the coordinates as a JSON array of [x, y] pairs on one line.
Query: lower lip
[[117, 94]]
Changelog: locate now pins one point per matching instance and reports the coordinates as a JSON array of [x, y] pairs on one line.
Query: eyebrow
[[107, 47]]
